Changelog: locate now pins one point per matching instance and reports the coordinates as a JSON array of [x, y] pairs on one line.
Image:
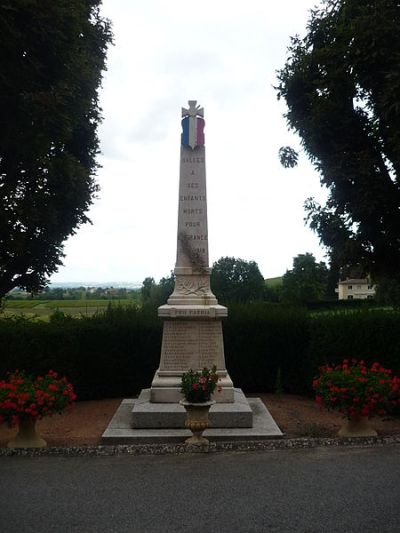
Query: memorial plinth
[[192, 328], [192, 318], [192, 333]]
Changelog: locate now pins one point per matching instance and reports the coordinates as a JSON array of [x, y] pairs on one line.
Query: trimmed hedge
[[370, 335], [114, 353], [267, 346], [264, 340]]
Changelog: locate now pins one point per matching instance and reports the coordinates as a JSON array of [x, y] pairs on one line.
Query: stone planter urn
[[27, 437], [357, 426], [197, 420]]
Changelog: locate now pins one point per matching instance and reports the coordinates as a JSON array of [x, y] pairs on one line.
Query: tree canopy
[[236, 280], [156, 294], [306, 282], [52, 56], [341, 83]]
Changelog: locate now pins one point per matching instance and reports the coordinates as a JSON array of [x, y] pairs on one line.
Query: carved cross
[[194, 110]]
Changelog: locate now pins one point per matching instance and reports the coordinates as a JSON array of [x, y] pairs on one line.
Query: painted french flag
[[193, 131]]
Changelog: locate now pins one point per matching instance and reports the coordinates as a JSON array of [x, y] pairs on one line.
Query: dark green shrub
[[370, 335], [263, 340], [116, 352]]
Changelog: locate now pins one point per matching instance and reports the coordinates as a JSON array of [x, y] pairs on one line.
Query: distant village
[[77, 293]]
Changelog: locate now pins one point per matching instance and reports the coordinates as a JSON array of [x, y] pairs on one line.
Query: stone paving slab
[[119, 431], [149, 415]]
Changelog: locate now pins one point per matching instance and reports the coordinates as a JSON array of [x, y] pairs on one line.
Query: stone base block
[[167, 389], [147, 414], [120, 431]]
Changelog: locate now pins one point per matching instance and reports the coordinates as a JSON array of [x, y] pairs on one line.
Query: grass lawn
[[42, 309]]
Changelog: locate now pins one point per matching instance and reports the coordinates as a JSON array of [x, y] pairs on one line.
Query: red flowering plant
[[197, 387], [355, 390], [23, 396]]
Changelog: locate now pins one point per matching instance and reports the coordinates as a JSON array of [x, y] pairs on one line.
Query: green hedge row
[[114, 353], [267, 346]]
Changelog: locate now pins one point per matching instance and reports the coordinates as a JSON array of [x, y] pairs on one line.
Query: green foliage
[[388, 292], [147, 286], [197, 386], [113, 353], [236, 280], [268, 347], [273, 282], [23, 396], [52, 57], [354, 389], [259, 339], [272, 293], [306, 282], [372, 335], [288, 157], [156, 294], [341, 84]]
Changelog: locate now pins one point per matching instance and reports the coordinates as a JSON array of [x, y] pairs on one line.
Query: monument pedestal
[[147, 414], [192, 332], [192, 338]]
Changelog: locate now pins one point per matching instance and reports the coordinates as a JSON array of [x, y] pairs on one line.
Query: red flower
[[195, 386]]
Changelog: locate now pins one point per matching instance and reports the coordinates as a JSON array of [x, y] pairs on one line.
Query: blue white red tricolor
[[193, 126]]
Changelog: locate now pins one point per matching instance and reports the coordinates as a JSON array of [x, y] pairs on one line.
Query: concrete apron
[[120, 430]]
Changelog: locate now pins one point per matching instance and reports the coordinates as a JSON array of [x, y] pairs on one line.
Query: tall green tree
[[156, 294], [306, 282], [236, 280], [146, 288], [341, 83], [52, 56]]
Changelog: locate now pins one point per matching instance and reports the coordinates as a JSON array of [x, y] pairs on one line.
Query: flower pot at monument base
[[197, 420], [24, 399], [357, 426], [27, 436], [357, 391]]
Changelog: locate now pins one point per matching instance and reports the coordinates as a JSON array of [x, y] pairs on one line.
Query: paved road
[[299, 491]]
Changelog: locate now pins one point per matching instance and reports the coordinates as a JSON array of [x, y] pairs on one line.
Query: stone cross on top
[[194, 110], [192, 126]]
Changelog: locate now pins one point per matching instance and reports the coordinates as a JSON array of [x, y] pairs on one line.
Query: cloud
[[223, 54]]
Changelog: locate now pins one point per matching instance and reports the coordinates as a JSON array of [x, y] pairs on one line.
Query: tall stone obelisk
[[192, 332]]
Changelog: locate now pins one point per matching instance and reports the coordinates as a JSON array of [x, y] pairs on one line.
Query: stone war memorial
[[192, 327]]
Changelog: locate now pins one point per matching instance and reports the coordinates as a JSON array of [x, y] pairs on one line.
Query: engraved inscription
[[192, 224], [210, 344], [197, 237], [192, 159], [190, 198], [191, 345], [192, 211], [179, 346]]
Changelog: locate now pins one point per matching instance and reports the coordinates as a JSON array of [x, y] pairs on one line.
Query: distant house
[[355, 289]]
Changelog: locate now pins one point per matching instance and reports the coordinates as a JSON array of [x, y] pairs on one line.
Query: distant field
[[44, 308], [273, 282]]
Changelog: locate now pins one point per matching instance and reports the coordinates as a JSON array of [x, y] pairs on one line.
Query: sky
[[225, 55]]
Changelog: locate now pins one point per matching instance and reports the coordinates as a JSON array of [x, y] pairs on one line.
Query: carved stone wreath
[[198, 287]]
